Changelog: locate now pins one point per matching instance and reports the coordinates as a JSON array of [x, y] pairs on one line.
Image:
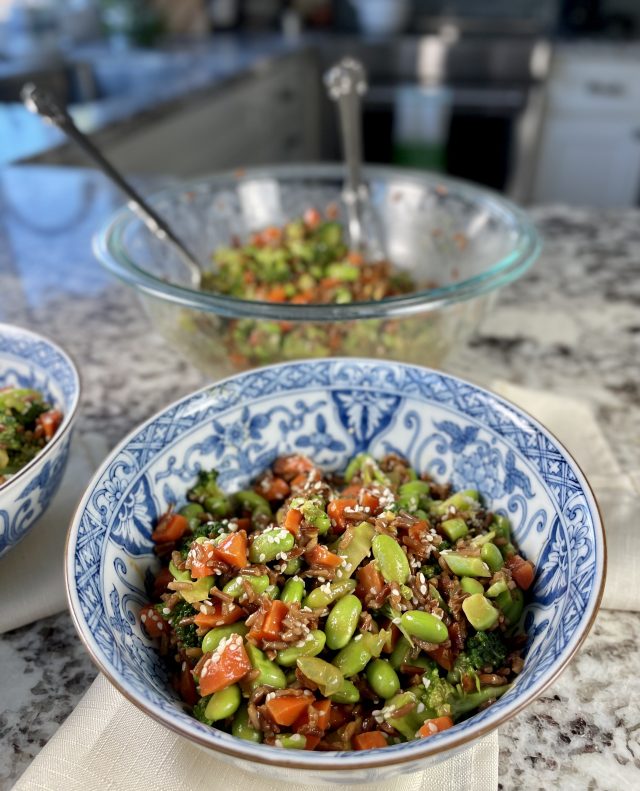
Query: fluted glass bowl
[[466, 240]]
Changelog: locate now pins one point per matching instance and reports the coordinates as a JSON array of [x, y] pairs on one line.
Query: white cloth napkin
[[107, 743], [39, 556], [572, 420]]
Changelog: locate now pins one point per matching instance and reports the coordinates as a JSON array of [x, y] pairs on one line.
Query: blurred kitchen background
[[539, 99]]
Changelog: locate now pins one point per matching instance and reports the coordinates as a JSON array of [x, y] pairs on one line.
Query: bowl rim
[[69, 415], [332, 761], [109, 249]]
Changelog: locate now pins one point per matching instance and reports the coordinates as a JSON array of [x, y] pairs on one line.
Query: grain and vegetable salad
[[336, 612], [27, 423], [306, 261]]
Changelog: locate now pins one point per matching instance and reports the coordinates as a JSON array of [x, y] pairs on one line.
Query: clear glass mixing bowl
[[467, 241]]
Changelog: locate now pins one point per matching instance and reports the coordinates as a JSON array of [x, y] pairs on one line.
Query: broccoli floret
[[438, 693], [199, 708], [486, 649], [202, 530], [208, 493], [430, 570], [185, 635], [463, 667]]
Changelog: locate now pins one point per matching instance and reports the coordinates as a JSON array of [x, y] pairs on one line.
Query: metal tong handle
[[346, 83], [42, 103]]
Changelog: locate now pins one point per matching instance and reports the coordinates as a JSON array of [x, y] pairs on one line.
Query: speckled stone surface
[[572, 325]]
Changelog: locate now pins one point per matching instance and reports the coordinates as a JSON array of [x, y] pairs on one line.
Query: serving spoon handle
[[42, 103]]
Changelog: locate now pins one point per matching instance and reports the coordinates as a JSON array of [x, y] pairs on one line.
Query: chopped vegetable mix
[[338, 612], [27, 423]]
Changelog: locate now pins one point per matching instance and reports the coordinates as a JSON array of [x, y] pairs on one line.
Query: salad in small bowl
[[39, 394], [337, 569]]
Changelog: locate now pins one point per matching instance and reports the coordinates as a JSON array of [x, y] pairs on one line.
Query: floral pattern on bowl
[[332, 409], [29, 360]]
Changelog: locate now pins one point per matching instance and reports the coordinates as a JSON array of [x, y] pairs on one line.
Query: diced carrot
[[323, 707], [292, 521], [303, 298], [418, 529], [227, 665], [369, 500], [239, 360], [257, 239], [272, 234], [329, 282], [242, 522], [369, 740], [200, 559], [443, 656], [355, 258], [49, 421], [288, 467], [312, 218], [435, 725], [152, 622], [275, 489], [171, 527], [187, 686], [286, 709], [370, 580], [276, 294], [218, 617], [311, 741], [233, 550], [522, 571], [272, 625], [336, 509], [352, 490], [321, 556]]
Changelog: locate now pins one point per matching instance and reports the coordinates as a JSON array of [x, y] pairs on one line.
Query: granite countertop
[[571, 325]]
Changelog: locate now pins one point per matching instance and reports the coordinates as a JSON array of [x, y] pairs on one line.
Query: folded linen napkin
[[39, 556], [618, 492], [107, 743]]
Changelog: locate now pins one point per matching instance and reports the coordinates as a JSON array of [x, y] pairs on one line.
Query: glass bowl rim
[[109, 248]]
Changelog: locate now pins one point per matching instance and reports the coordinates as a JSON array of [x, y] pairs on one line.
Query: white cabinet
[[589, 154], [268, 115]]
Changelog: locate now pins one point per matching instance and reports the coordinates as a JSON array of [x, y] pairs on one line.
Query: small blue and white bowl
[[29, 360], [331, 410]]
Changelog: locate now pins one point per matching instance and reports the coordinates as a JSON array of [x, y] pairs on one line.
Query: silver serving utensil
[[42, 103], [346, 83]]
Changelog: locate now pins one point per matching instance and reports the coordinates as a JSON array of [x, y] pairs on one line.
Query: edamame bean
[[502, 527], [465, 565], [382, 678], [235, 587], [293, 591], [392, 561], [242, 728], [269, 544], [342, 621], [314, 513], [454, 529], [354, 657], [412, 496], [481, 614], [492, 556], [218, 505], [312, 646], [467, 500], [329, 592], [424, 626], [270, 674], [471, 585], [272, 591], [328, 678], [199, 591], [348, 693], [293, 567], [214, 637], [291, 741], [496, 589], [511, 602], [223, 704], [191, 510], [252, 501]]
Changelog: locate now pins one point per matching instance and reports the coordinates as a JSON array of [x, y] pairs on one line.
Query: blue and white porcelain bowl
[[330, 410], [29, 360]]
